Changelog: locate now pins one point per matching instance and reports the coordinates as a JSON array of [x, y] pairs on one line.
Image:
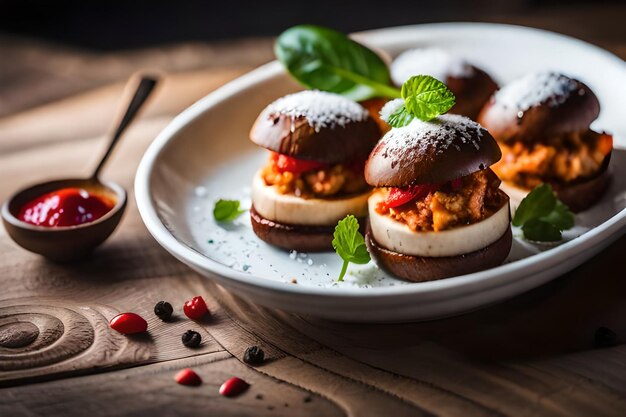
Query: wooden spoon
[[68, 243]]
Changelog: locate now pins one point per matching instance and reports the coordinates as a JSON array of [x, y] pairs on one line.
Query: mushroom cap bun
[[539, 105], [471, 85], [316, 125], [443, 149]]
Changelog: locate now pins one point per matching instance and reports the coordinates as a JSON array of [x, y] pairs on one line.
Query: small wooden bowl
[[68, 243]]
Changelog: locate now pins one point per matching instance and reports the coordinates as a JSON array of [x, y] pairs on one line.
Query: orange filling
[[563, 159], [470, 200], [317, 180]]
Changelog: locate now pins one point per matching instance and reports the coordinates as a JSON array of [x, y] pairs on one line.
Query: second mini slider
[[437, 210], [542, 123]]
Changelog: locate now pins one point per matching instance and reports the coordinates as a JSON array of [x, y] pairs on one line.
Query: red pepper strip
[[284, 163], [400, 196]]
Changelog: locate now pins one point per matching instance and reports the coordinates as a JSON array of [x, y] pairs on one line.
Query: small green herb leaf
[[540, 202], [328, 60], [401, 117], [349, 243], [541, 231], [426, 97], [560, 217], [227, 210], [542, 216]]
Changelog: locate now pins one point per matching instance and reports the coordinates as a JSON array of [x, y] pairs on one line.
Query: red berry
[[233, 387], [188, 377], [128, 323], [195, 308]]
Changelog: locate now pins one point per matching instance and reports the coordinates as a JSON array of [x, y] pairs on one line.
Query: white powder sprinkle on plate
[[536, 88], [321, 109], [435, 62]]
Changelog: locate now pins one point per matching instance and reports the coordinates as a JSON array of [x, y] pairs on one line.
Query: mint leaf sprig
[[425, 98], [227, 210], [542, 216], [349, 244]]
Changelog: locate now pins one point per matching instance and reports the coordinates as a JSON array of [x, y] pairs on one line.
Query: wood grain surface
[[530, 356]]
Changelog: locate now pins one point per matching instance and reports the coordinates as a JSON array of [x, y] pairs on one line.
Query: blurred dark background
[[115, 24], [51, 49]]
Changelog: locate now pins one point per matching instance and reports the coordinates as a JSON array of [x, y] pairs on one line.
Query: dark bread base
[[302, 238], [580, 196], [422, 269]]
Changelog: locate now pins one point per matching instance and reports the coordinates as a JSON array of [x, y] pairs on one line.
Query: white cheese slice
[[289, 209], [397, 236]]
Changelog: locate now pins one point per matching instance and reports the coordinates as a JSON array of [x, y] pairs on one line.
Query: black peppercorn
[[605, 337], [191, 339], [163, 310], [254, 355]]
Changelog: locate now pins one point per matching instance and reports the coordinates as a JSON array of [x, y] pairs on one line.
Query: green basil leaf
[[542, 216], [538, 203], [561, 217], [328, 60], [227, 210], [426, 97], [541, 231], [361, 255], [349, 243]]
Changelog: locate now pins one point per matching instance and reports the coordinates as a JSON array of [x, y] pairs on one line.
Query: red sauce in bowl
[[65, 207]]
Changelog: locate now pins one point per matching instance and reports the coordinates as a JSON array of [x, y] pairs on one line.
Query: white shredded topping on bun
[[535, 89], [418, 136], [390, 108], [319, 108], [429, 61]]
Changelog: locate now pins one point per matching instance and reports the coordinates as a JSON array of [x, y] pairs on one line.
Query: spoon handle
[[144, 89]]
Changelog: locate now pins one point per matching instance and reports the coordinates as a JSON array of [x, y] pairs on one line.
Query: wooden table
[[530, 356]]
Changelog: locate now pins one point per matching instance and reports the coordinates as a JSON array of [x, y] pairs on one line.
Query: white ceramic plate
[[205, 154]]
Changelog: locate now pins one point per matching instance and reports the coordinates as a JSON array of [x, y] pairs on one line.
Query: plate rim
[[492, 278]]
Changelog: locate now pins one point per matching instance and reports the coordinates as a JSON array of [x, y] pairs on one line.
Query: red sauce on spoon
[[65, 207]]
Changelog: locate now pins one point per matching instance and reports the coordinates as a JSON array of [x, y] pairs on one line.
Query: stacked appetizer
[[318, 145], [471, 85], [437, 210], [541, 122]]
